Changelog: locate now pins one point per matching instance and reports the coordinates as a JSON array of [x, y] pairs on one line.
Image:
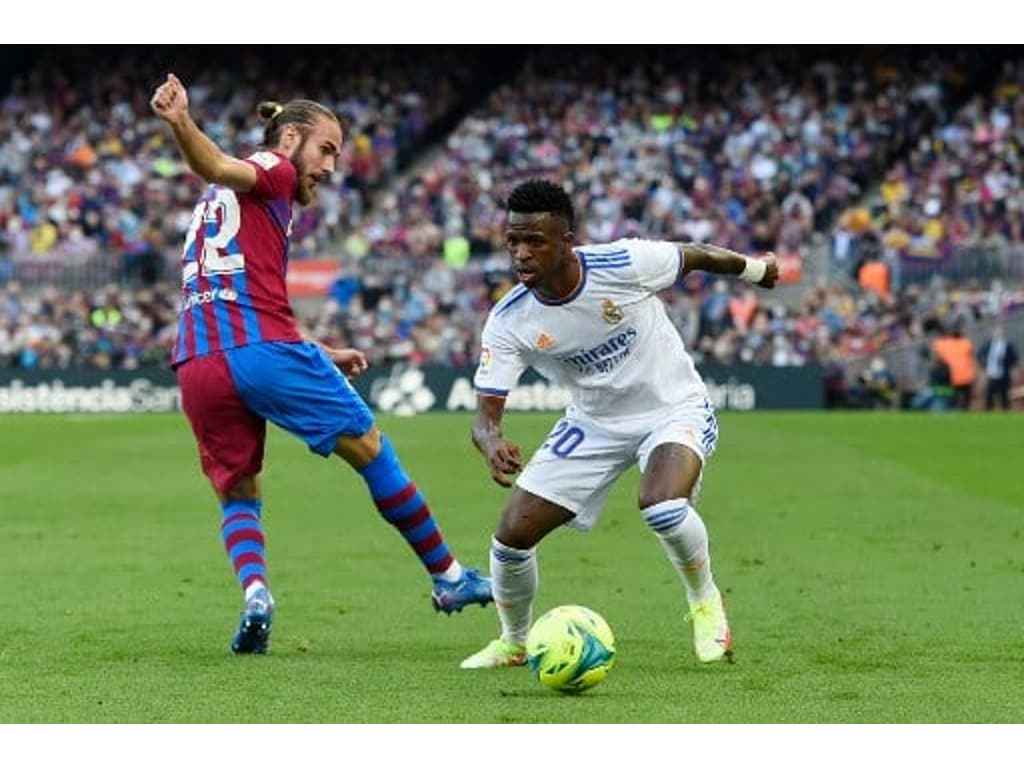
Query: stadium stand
[[886, 178]]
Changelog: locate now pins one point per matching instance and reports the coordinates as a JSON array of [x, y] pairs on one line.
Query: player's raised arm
[[170, 102], [721, 261], [503, 457]]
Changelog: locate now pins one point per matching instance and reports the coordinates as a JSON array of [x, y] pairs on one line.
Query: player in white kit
[[588, 318]]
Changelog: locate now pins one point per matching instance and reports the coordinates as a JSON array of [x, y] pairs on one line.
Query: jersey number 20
[[564, 439]]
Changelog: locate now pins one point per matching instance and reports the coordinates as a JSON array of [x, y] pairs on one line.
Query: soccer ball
[[570, 648]]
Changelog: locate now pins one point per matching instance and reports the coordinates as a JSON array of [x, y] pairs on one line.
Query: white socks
[[453, 573], [514, 580], [685, 540], [253, 588]]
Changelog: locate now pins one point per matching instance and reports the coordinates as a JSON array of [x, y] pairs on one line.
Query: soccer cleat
[[253, 634], [449, 596], [498, 653], [712, 638]]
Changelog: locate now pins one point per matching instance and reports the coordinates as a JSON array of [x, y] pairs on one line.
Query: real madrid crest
[[610, 312]]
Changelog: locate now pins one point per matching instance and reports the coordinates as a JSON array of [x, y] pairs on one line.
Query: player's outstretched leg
[[516, 577], [242, 533], [403, 506], [684, 537]]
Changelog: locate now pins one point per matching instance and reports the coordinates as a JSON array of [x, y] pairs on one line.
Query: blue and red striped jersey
[[234, 263]]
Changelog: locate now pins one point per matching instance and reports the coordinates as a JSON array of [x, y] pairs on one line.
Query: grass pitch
[[873, 567]]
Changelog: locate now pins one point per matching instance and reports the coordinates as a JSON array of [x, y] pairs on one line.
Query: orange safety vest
[[875, 276], [958, 354]]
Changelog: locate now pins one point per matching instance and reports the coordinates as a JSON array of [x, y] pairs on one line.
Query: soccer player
[[587, 318], [240, 359]]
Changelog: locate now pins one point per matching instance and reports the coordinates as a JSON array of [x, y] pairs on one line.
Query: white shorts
[[580, 460]]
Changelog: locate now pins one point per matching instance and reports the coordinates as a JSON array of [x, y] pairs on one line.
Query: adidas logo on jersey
[[544, 341]]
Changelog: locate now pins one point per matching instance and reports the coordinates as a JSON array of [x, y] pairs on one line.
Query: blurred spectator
[[998, 357], [876, 387], [874, 275], [835, 383], [937, 393], [957, 351]]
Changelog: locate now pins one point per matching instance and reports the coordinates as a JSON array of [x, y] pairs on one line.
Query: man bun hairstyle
[[269, 109], [542, 196], [302, 112]]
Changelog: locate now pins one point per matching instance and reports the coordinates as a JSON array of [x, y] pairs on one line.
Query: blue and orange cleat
[[453, 596], [253, 634]]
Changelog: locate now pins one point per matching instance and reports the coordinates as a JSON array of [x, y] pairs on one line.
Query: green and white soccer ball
[[570, 648]]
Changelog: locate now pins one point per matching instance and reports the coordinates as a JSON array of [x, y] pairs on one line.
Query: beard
[[303, 194]]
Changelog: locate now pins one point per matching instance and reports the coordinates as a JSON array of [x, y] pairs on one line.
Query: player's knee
[[672, 485], [359, 450], [246, 487], [516, 536], [515, 530], [649, 498], [527, 519]]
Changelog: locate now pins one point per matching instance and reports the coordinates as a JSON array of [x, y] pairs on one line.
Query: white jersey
[[610, 343]]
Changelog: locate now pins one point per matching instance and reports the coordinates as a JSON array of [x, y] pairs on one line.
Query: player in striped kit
[[241, 361], [588, 318]]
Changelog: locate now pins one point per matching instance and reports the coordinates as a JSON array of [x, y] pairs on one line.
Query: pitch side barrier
[[401, 390]]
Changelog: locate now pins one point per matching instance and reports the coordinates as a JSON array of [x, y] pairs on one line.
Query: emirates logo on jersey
[[544, 342], [610, 312], [604, 357]]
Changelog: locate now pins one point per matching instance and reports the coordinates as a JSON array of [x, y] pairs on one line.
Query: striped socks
[[401, 504], [242, 533]]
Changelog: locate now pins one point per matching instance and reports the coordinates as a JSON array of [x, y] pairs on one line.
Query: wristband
[[753, 270]]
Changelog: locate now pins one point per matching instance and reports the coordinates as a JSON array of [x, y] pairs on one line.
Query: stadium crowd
[[957, 189], [892, 152], [88, 173], [753, 152], [436, 319]]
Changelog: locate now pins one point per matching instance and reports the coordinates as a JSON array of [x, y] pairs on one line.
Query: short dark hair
[[542, 196], [301, 111]]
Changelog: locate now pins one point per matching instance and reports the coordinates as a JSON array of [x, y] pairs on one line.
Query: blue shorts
[[296, 386]]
